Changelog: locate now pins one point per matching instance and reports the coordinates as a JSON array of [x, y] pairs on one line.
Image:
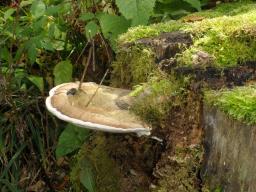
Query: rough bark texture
[[167, 45], [178, 168], [230, 148], [217, 78]]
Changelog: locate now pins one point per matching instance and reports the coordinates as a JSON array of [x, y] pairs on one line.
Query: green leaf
[[112, 26], [19, 75], [4, 70], [19, 52], [87, 16], [4, 53], [38, 8], [25, 3], [53, 10], [51, 29], [137, 89], [86, 175], [91, 29], [71, 139], [138, 11], [37, 81], [165, 1], [195, 4], [2, 143], [32, 52], [58, 45], [63, 72], [39, 24], [12, 160], [173, 8], [8, 13], [47, 44]]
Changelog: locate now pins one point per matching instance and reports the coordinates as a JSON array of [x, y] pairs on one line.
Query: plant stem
[[85, 68], [90, 100]]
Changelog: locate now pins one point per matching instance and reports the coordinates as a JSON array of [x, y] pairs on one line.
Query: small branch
[[106, 47], [81, 52], [85, 68], [13, 40], [93, 56], [90, 100]]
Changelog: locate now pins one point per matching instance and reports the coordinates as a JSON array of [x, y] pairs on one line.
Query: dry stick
[[81, 52], [95, 5], [14, 30], [85, 68], [105, 45], [93, 56], [90, 100]]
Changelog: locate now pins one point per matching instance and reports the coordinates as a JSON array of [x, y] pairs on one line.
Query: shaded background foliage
[[44, 43]]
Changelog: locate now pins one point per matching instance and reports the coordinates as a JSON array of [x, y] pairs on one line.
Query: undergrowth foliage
[[42, 43]]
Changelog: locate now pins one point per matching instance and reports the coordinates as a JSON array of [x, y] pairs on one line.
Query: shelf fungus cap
[[95, 107]]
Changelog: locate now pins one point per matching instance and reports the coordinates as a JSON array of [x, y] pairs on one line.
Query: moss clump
[[135, 67], [226, 9], [132, 66], [224, 38], [180, 173], [140, 32], [239, 103], [157, 96], [220, 33], [93, 163]]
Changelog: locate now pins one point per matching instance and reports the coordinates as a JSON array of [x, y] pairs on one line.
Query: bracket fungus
[[95, 107]]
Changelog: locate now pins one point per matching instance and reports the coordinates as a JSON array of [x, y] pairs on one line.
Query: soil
[[178, 167]]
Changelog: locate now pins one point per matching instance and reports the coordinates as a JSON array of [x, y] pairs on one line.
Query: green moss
[[140, 32], [227, 9], [94, 159], [135, 67], [239, 103], [181, 172], [157, 96], [132, 66], [224, 38], [224, 9], [220, 33], [227, 33]]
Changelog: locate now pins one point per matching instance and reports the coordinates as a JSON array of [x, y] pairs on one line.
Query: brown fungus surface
[[106, 107]]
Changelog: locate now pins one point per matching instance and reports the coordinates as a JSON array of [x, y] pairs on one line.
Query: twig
[[105, 45], [93, 56], [95, 5], [90, 100], [13, 40], [81, 52], [85, 68]]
